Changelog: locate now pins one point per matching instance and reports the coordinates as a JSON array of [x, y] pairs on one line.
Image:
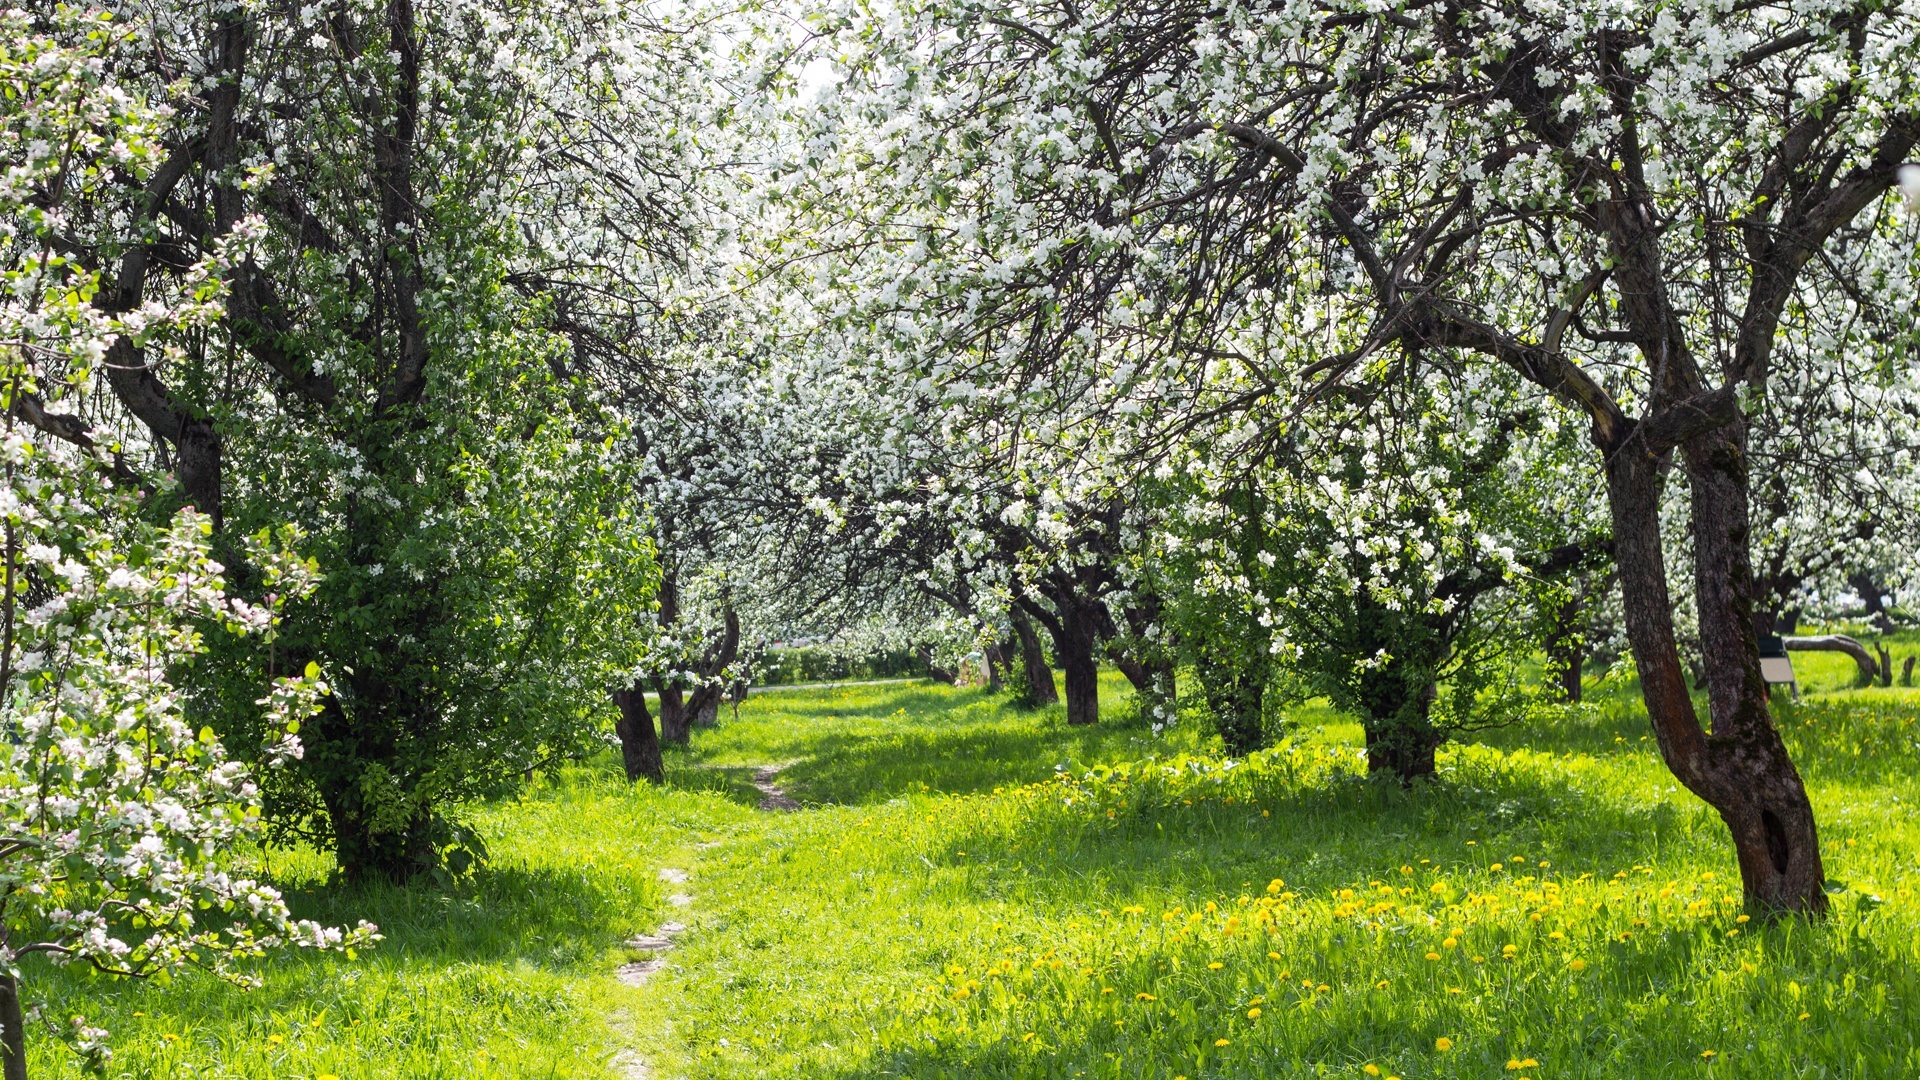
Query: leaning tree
[[1618, 203]]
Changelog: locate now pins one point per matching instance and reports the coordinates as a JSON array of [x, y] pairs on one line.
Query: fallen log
[[1869, 669]]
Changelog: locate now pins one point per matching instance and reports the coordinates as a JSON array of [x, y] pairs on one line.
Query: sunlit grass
[[1070, 928], [976, 891]]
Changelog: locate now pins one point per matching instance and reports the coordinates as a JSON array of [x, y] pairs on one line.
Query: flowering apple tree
[[120, 820]]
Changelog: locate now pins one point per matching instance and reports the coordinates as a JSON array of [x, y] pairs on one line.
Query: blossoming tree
[[119, 820], [1618, 203]]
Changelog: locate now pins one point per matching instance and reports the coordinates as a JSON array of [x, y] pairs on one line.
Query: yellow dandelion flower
[[1274, 956], [1744, 918], [1514, 1063], [1709, 1054], [1144, 996], [1496, 868], [1450, 943], [1443, 1043], [274, 1040], [1529, 1064], [1803, 1016], [1381, 985], [1253, 1013], [1370, 1069], [1223, 1042], [1215, 966], [1433, 956], [1578, 965]]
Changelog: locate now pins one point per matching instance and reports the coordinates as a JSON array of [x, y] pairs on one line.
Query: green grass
[[974, 891]]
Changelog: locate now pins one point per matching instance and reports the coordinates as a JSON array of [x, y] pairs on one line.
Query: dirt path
[[658, 944], [772, 797]]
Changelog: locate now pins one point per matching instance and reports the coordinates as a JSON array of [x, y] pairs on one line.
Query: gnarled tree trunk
[[675, 725], [639, 746], [1741, 767], [703, 708], [1033, 663], [1152, 678], [13, 1031]]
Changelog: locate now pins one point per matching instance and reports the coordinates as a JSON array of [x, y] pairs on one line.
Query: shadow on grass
[[732, 782], [852, 769], [925, 702], [1340, 833], [1330, 835], [548, 917]]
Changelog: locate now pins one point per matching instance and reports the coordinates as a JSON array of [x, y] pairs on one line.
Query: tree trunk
[[1073, 645], [639, 745], [674, 727], [995, 659], [704, 709], [363, 854], [1033, 662], [1152, 683], [1871, 592], [1566, 653], [935, 671], [1402, 751], [13, 1031], [1398, 720], [1741, 769]]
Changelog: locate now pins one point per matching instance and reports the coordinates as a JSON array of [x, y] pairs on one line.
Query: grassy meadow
[[974, 891]]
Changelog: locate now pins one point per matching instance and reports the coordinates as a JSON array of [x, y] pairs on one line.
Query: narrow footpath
[[658, 944]]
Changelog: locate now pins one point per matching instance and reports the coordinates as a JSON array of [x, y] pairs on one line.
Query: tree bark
[[1566, 652], [1741, 769], [639, 745], [1405, 750], [1073, 645], [1869, 670], [1152, 681], [995, 659], [703, 708], [1033, 662], [13, 1031], [674, 724]]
